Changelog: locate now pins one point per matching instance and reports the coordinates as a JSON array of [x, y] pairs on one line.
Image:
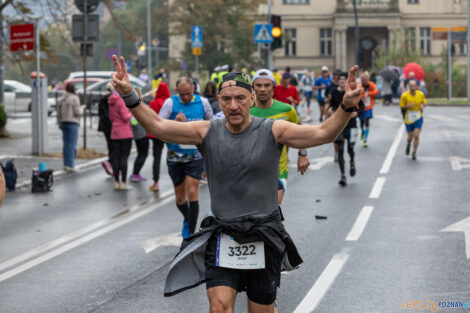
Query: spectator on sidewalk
[[163, 93], [104, 125], [2, 186], [121, 136], [68, 118]]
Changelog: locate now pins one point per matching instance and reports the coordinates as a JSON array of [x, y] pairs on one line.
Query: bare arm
[[167, 130], [305, 136]]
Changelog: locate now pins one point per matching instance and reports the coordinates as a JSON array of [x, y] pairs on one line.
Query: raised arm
[[166, 130], [305, 136]]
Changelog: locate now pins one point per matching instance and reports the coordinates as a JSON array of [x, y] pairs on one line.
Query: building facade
[[322, 32]]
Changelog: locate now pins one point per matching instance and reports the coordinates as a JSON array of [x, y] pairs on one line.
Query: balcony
[[368, 6]]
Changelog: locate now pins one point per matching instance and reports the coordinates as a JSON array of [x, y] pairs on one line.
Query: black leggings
[[340, 145], [142, 152], [109, 143], [121, 152], [365, 122], [157, 155]]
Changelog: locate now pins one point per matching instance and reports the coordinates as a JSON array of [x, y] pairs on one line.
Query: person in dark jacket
[[210, 93], [104, 126], [349, 133]]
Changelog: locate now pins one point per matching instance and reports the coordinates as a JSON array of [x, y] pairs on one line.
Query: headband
[[241, 80]]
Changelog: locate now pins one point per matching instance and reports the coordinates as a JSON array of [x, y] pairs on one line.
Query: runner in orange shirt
[[369, 92]]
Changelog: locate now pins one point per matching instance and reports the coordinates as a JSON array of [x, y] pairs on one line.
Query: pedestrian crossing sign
[[263, 33]]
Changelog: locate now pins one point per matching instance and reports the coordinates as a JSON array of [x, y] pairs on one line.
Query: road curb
[[59, 173]]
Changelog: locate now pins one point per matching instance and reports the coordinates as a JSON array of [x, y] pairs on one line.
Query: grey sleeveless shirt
[[242, 169]]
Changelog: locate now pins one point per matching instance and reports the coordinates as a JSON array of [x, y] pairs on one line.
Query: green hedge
[[3, 116]]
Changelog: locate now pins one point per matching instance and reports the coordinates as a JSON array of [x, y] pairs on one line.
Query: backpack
[[10, 173], [42, 181]]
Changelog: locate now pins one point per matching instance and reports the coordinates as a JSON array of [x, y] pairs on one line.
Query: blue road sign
[[196, 36], [128, 66], [263, 33]]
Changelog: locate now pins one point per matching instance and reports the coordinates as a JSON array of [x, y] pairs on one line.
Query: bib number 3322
[[231, 254]]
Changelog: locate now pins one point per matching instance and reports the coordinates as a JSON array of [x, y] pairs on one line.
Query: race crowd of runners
[[234, 135]]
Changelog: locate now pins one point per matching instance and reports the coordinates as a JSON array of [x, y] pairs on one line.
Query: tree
[[227, 30], [400, 53], [131, 26]]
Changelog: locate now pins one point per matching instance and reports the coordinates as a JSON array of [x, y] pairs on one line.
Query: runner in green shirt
[[266, 107]]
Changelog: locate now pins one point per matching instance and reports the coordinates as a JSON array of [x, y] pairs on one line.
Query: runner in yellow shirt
[[413, 102]]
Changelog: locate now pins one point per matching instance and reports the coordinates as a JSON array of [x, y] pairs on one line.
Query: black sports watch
[[303, 152], [349, 110], [135, 105]]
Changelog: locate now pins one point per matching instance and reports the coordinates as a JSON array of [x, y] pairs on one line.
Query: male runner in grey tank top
[[241, 154]]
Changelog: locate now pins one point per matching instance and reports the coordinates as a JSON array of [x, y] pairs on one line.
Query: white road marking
[[73, 244], [432, 159], [393, 150], [444, 118], [463, 225], [377, 188], [360, 224], [388, 118], [323, 283], [458, 163], [174, 240], [316, 163]]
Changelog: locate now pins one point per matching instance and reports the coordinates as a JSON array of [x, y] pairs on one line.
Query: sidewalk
[[19, 146]]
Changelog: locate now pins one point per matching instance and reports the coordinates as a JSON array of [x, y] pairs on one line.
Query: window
[[410, 39], [326, 42], [295, 1], [8, 88], [425, 40], [291, 41], [463, 49], [413, 1]]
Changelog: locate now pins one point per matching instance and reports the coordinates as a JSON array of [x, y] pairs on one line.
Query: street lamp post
[[468, 48], [356, 38], [149, 50]]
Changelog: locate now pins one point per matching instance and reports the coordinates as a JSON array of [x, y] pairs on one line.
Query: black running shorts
[[179, 170], [260, 285]]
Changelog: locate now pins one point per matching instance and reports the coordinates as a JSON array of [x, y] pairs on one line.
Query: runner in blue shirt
[[185, 164], [320, 85]]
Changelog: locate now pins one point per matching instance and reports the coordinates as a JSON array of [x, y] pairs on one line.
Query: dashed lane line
[[377, 188], [323, 283], [360, 224], [393, 150]]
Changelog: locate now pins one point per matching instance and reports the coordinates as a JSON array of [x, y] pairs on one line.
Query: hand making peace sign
[[120, 79]]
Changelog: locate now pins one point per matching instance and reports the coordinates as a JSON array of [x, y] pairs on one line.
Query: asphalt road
[[80, 247]]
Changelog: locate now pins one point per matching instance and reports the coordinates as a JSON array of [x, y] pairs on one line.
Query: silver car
[[17, 97]]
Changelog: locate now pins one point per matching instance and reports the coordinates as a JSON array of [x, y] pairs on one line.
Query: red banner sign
[[22, 37]]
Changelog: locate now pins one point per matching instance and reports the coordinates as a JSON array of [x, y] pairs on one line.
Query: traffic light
[[276, 32]]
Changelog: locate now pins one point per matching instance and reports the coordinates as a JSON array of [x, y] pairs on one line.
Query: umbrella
[[416, 68], [396, 69], [388, 75]]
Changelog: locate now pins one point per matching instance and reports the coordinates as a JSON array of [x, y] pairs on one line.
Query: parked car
[[79, 82], [97, 74], [17, 97], [96, 91]]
